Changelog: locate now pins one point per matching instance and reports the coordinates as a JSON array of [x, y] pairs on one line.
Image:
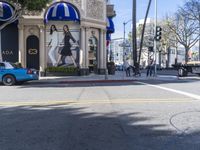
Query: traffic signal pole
[[155, 41]]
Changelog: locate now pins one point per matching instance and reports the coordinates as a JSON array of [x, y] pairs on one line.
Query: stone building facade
[[87, 22]]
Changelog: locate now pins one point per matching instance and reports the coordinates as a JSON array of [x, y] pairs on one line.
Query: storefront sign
[[32, 51], [7, 52]]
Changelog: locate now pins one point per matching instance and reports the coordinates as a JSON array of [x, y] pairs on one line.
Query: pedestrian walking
[[150, 68], [127, 68]]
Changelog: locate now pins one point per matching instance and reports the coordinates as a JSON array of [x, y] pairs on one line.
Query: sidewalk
[[118, 77]]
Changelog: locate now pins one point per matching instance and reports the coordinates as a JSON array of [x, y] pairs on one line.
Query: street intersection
[[147, 114]]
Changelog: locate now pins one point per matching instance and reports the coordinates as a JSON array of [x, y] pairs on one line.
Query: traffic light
[[158, 33]]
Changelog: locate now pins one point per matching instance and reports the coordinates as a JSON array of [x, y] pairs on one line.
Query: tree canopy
[[32, 5]]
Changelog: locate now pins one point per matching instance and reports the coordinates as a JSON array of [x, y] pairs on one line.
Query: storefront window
[[62, 44]]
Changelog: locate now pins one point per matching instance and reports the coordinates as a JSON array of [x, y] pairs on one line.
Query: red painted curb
[[98, 81]]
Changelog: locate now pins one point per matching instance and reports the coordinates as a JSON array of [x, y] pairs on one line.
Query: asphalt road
[[140, 115]]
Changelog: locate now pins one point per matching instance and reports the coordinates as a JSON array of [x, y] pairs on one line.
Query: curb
[[98, 81], [82, 81]]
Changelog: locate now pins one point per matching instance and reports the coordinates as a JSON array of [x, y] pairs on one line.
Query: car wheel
[[8, 80], [182, 72]]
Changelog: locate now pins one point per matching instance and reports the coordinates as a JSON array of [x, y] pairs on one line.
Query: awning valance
[[6, 11], [62, 11], [108, 36], [110, 26]]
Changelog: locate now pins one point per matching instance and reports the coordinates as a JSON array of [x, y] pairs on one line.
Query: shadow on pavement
[[70, 128]]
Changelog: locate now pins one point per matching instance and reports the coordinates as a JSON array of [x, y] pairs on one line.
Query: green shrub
[[67, 70], [17, 65]]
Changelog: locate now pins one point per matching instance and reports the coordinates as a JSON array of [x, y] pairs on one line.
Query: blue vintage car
[[11, 75]]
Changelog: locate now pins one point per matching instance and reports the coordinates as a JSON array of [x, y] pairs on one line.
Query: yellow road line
[[86, 102]]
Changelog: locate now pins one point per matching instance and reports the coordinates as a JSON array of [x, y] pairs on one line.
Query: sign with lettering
[[9, 43], [7, 52], [33, 51]]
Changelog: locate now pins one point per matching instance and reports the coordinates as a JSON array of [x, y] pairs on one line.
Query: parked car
[[11, 74], [189, 67], [119, 67]]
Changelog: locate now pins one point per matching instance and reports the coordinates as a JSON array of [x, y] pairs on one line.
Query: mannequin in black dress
[[66, 50]]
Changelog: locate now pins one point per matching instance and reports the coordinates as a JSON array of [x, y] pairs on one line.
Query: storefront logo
[[7, 52], [32, 51]]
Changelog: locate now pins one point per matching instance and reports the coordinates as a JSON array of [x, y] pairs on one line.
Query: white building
[[119, 52]]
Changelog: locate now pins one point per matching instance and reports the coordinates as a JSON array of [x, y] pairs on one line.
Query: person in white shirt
[[53, 44], [127, 68]]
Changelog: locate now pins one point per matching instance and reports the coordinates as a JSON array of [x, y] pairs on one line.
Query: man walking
[[127, 68], [150, 68]]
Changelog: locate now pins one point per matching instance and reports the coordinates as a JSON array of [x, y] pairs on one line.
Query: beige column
[[104, 50], [22, 52], [82, 49], [42, 49], [86, 48], [101, 53]]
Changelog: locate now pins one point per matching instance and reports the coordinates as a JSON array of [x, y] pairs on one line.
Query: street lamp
[[124, 44]]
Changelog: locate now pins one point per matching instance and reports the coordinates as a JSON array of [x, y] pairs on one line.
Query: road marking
[[197, 97], [87, 102]]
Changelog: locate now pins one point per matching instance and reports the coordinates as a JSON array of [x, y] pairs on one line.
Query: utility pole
[[155, 42], [199, 37], [134, 38], [124, 40]]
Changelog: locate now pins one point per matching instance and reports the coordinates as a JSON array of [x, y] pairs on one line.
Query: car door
[[2, 70]]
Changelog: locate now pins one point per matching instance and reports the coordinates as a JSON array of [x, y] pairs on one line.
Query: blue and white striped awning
[[62, 11], [110, 26], [6, 11]]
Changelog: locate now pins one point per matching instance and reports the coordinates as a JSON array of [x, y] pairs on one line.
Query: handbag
[[60, 49]]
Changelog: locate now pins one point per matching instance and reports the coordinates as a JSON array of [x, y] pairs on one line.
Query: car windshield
[[9, 66], [15, 65]]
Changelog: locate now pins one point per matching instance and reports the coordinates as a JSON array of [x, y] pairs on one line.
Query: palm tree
[[143, 30], [134, 38]]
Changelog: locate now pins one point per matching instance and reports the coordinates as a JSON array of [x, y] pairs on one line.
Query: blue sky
[[123, 10]]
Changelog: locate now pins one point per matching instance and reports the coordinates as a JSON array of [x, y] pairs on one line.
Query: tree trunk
[[1, 57], [143, 30], [168, 57], [176, 54], [134, 38], [160, 59], [199, 37], [186, 54], [199, 48]]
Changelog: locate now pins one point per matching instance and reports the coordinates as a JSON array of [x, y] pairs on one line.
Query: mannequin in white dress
[[53, 44]]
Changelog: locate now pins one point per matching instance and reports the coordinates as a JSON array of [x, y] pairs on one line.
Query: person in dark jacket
[[66, 50]]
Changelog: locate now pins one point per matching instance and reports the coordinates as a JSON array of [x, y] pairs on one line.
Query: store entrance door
[[32, 52]]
